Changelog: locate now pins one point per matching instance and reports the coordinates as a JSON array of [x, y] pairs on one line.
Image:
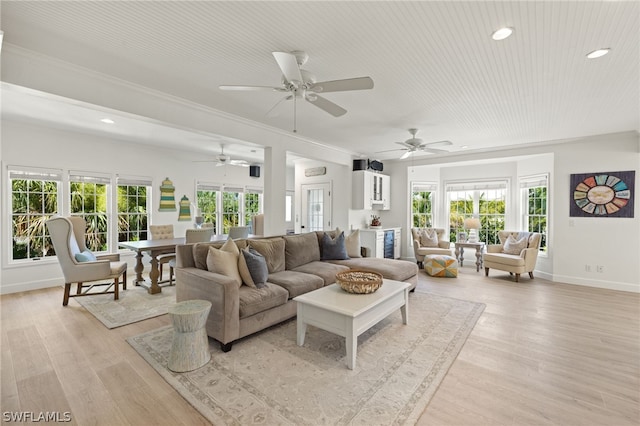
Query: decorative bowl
[[359, 282]]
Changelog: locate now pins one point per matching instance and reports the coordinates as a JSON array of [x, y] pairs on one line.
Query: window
[[534, 206], [231, 198], [207, 202], [485, 200], [88, 197], [133, 208], [34, 199], [252, 204], [422, 195]]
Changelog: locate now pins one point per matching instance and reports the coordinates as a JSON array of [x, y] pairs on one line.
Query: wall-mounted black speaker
[[359, 165], [375, 165], [254, 171]]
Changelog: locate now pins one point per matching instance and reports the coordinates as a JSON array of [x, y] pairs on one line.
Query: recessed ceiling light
[[502, 33], [598, 53], [107, 120]]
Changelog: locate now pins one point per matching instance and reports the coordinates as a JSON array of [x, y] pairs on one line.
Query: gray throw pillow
[[334, 249], [257, 266]]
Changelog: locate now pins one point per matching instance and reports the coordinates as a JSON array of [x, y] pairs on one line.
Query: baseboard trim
[[609, 285], [29, 286]]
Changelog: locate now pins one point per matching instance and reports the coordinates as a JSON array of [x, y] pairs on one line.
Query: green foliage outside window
[[230, 210], [132, 213], [207, 204], [251, 206], [89, 201], [537, 213], [491, 208], [421, 207], [33, 202]]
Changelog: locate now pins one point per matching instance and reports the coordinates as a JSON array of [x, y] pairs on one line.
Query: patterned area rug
[[267, 379], [133, 305]]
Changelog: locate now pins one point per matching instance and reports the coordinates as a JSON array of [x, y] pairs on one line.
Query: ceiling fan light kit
[[302, 84]]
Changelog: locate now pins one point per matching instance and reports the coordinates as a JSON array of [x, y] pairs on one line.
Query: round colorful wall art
[[603, 194]]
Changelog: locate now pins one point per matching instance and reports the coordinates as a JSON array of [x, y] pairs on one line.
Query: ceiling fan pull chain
[[294, 112]]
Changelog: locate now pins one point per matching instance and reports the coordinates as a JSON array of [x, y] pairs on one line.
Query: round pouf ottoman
[[190, 346], [438, 265]]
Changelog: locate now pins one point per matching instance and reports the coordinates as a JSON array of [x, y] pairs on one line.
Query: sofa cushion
[[253, 268], [224, 261], [513, 246], [85, 256], [300, 249], [201, 250], [296, 283], [320, 235], [273, 251], [423, 251], [325, 270], [334, 248], [392, 269], [256, 300]]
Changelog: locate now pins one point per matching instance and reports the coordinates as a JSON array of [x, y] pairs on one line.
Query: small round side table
[[190, 346]]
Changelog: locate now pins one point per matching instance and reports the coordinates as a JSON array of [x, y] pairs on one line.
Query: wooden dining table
[[155, 248]]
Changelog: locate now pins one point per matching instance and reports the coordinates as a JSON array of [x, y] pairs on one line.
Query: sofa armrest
[[494, 248], [223, 323]]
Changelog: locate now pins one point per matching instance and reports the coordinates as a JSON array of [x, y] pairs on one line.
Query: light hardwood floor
[[541, 353]]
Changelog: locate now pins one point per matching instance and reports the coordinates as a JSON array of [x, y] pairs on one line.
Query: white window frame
[[525, 183], [132, 181], [423, 187], [75, 176]]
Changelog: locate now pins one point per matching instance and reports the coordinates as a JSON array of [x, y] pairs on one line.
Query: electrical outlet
[[587, 268], [600, 268]]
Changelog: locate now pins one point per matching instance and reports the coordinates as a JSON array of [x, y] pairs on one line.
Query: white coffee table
[[349, 315]]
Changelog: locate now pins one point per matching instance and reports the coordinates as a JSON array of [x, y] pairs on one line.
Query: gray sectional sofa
[[294, 267]]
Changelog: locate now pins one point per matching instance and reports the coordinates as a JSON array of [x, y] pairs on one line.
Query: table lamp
[[472, 224]]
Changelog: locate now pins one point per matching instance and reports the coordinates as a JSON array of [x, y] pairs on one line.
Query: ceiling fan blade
[[443, 143], [289, 66], [327, 105], [432, 150], [391, 150], [252, 88], [204, 161], [405, 145], [406, 154], [360, 83]]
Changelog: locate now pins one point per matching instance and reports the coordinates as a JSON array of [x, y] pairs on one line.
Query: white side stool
[[190, 346]]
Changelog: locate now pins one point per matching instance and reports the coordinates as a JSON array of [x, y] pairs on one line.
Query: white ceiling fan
[[222, 159], [414, 144], [300, 83]]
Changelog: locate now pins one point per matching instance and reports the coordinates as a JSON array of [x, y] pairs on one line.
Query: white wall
[[29, 145]]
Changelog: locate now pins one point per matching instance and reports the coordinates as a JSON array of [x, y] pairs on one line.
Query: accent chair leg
[[170, 275], [486, 272], [517, 277], [116, 289], [79, 288], [531, 274], [226, 347], [124, 280], [65, 298]]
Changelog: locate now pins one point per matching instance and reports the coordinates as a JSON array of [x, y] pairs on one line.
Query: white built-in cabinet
[[371, 191], [382, 243]]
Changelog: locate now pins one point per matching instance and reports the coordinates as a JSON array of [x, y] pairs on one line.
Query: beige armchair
[[513, 257], [422, 248], [67, 236], [162, 232], [192, 236], [257, 224]]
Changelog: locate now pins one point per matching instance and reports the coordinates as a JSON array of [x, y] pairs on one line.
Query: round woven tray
[[359, 282]]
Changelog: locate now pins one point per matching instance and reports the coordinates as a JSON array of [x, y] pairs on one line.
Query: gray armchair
[[67, 236]]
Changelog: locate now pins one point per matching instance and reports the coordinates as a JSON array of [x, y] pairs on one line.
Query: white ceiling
[[434, 64]]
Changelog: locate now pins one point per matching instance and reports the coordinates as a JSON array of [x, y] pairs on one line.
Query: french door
[[316, 207]]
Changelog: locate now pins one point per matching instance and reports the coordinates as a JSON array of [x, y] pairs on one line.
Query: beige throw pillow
[[224, 261], [352, 241], [511, 246], [428, 238]]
